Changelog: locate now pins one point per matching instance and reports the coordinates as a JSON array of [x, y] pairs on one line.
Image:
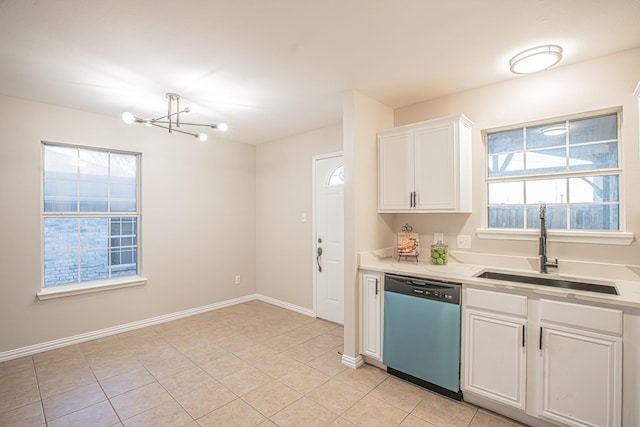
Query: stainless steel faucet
[[542, 246]]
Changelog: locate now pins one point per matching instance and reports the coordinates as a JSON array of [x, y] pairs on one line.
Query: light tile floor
[[247, 365]]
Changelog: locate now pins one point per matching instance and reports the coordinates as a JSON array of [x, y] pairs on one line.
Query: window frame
[[62, 290], [619, 237]]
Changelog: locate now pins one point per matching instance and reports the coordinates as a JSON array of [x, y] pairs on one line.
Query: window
[[571, 165], [337, 177], [91, 215]]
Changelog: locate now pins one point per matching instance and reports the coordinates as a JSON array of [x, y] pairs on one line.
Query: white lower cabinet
[[581, 354], [371, 315], [555, 361], [495, 351]]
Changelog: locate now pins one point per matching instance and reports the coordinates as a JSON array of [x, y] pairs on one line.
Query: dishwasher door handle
[[415, 283], [425, 283]]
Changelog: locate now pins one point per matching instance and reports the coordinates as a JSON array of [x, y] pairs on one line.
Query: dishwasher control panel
[[434, 294], [423, 288]]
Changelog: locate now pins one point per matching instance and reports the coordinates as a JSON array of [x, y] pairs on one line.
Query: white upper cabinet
[[426, 166]]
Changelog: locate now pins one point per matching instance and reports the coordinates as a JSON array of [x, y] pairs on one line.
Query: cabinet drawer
[[497, 301], [584, 316]]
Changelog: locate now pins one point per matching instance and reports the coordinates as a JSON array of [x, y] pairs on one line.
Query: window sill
[[78, 289], [583, 237]]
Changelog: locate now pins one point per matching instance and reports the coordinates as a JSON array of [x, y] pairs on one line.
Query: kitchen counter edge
[[382, 261]]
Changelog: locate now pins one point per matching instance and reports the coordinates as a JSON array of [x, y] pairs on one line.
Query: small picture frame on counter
[[408, 245]]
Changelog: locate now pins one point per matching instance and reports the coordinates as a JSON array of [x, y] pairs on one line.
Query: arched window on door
[[336, 177]]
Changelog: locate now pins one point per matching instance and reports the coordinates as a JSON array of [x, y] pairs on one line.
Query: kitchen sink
[[550, 281]]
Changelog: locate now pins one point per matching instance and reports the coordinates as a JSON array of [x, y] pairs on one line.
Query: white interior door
[[329, 238]]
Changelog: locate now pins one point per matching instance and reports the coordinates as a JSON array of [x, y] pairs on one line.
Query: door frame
[[314, 237]]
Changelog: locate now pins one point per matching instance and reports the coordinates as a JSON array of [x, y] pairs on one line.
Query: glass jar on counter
[[439, 253]]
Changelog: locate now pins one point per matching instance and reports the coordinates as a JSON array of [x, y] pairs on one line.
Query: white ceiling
[[273, 68]]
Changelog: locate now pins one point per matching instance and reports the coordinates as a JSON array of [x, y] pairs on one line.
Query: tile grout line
[[244, 331], [275, 379], [157, 381], [101, 387], [35, 374]]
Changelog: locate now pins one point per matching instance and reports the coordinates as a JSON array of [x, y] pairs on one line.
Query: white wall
[[215, 210], [364, 228], [602, 83], [284, 244], [198, 223]]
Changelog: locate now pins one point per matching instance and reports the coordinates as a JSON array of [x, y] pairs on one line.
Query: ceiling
[[274, 68]]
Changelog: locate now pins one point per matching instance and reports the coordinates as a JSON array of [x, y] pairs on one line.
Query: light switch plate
[[438, 237], [463, 241]]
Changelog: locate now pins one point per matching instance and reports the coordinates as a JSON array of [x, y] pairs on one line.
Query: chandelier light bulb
[[202, 137], [128, 118], [191, 109], [222, 127]]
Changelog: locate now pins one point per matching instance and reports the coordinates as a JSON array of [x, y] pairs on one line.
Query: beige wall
[[284, 245], [215, 210], [364, 228], [198, 220], [601, 83]]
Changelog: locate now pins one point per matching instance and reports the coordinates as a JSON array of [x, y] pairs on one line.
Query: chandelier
[[171, 121]]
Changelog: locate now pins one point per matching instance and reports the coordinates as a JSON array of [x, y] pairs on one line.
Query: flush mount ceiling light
[[171, 121], [554, 130], [536, 59]]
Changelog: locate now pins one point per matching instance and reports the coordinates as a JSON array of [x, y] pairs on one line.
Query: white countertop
[[383, 261]]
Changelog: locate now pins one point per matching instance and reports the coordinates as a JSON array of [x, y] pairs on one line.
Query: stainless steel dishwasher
[[421, 340]]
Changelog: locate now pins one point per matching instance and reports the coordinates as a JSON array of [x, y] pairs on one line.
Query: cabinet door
[[395, 171], [371, 316], [582, 377], [495, 357], [436, 170]]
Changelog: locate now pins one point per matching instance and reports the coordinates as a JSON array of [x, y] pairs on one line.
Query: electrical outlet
[[463, 241], [237, 280]]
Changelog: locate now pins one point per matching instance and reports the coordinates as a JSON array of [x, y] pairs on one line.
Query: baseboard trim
[[101, 333], [352, 362], [288, 306]]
